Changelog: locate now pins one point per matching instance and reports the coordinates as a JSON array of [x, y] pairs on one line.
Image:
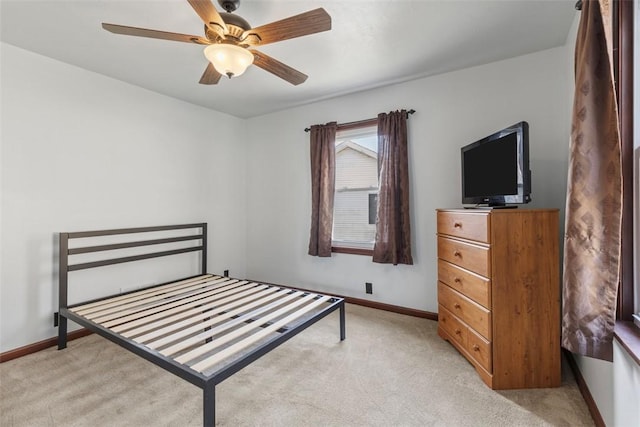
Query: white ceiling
[[372, 43]]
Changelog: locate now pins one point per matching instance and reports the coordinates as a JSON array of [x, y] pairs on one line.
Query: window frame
[[625, 332], [344, 247], [623, 17]]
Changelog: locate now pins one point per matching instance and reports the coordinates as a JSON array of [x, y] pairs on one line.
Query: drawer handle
[[457, 279], [457, 253], [457, 225], [458, 331], [476, 347], [456, 305]]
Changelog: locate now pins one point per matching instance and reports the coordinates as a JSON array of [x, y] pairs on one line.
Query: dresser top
[[495, 210]]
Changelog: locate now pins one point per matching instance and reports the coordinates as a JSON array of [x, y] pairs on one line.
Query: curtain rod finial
[[578, 5]]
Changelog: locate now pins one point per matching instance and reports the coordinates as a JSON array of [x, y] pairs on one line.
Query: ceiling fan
[[230, 40]]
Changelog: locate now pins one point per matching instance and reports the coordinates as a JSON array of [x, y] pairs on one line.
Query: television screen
[[495, 169]]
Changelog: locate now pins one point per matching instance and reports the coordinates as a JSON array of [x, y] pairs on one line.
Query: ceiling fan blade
[[209, 15], [154, 34], [306, 23], [210, 76], [277, 68]]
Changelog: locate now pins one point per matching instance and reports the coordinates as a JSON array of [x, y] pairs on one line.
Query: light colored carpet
[[392, 370]]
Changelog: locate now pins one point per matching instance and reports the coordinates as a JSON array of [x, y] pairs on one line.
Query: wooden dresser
[[499, 295]]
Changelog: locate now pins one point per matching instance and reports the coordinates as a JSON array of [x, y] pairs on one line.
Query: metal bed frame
[[203, 328]]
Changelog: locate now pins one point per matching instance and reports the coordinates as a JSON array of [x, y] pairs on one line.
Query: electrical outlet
[[226, 273], [368, 287]]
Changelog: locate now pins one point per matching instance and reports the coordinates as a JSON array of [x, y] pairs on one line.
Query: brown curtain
[[393, 231], [323, 166], [594, 198]]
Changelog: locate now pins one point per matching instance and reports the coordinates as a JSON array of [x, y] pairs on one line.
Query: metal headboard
[[65, 252]]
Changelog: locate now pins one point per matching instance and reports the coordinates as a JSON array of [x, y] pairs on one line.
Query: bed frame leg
[[209, 405], [62, 332], [343, 333]]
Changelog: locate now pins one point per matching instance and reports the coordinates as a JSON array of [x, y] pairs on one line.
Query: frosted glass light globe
[[229, 60]]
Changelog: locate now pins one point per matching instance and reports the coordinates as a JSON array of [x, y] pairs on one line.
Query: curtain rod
[[350, 124]]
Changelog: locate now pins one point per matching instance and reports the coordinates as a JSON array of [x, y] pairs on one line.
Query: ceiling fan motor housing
[[235, 20], [236, 26]]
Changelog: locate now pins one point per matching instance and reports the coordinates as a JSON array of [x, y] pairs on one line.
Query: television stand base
[[489, 208]]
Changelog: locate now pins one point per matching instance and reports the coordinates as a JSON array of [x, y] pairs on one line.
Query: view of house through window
[[356, 190]]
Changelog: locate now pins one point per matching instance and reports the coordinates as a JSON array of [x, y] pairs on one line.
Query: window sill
[[628, 335], [352, 251]]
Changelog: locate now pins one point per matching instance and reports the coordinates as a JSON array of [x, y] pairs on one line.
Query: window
[[356, 189], [373, 207]]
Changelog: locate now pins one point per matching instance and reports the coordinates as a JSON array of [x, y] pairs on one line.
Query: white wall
[[81, 151], [452, 110], [625, 410], [615, 387]]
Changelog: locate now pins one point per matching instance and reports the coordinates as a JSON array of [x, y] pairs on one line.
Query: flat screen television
[[495, 169]]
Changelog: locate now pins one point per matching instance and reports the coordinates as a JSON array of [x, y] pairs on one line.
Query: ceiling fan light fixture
[[228, 59]]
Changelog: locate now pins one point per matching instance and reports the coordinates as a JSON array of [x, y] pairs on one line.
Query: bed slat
[[122, 297], [136, 296], [252, 339], [205, 319], [176, 348], [193, 354], [209, 304], [162, 308], [111, 311]]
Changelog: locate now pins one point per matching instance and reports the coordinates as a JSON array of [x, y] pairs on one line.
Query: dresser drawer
[[471, 257], [472, 226], [471, 313], [454, 327], [476, 287], [480, 349]]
